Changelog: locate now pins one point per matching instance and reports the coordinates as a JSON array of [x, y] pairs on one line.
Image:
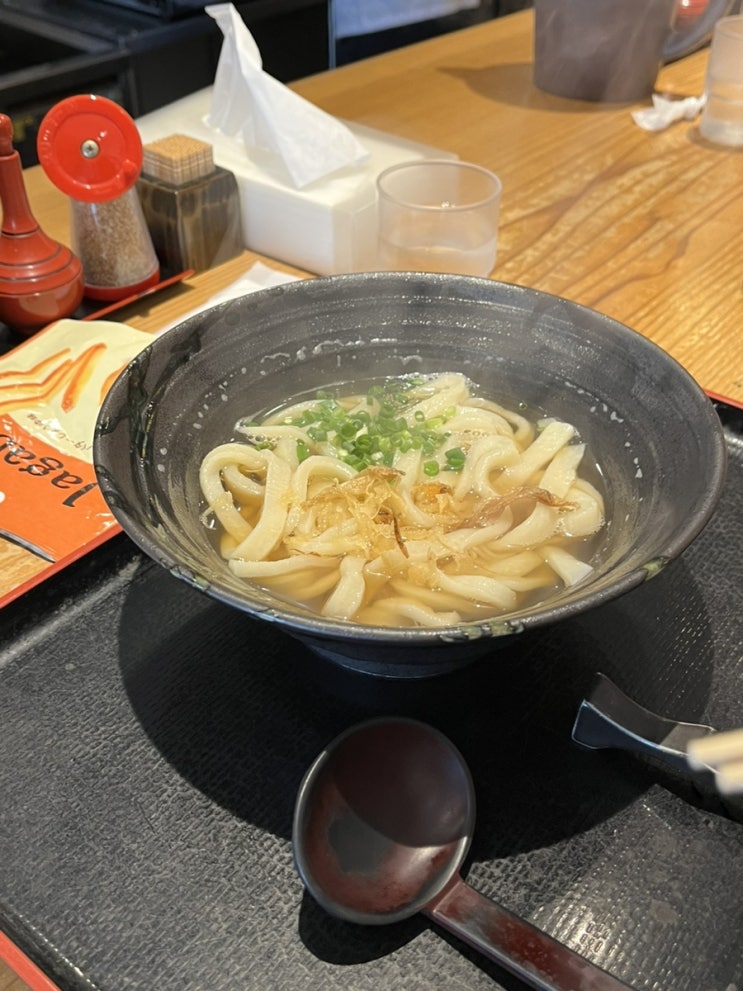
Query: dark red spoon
[[383, 821]]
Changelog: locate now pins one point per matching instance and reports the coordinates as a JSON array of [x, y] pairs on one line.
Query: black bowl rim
[[333, 631]]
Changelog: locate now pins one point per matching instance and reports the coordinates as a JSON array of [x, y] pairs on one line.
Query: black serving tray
[[152, 742]]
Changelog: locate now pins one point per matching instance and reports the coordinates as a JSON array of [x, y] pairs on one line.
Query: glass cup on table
[[438, 215], [722, 116]]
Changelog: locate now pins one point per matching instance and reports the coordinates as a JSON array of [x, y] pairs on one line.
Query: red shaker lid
[[90, 148]]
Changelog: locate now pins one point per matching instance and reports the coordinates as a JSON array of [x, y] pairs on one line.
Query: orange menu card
[[51, 389]]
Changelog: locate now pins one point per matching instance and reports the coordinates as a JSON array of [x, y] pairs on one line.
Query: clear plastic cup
[[438, 215], [722, 117]]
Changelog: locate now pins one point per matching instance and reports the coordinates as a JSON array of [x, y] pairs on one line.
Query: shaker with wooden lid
[[191, 205], [91, 150]]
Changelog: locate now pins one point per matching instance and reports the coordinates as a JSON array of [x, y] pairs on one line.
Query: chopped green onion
[[375, 435], [455, 458], [430, 468]]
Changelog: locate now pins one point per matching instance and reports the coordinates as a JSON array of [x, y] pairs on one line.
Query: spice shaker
[[41, 280], [191, 205], [91, 150]]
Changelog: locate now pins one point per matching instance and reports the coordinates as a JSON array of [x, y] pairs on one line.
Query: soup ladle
[[382, 823]]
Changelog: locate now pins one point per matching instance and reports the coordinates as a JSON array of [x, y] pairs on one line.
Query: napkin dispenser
[[326, 227]]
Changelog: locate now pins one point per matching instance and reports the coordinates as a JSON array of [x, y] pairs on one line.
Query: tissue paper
[[665, 111], [307, 181], [250, 104]]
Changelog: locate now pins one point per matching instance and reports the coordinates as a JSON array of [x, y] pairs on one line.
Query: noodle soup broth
[[408, 501]]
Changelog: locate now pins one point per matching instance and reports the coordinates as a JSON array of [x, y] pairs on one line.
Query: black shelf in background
[[52, 49]]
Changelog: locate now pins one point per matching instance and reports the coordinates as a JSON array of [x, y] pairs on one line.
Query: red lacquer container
[[41, 280]]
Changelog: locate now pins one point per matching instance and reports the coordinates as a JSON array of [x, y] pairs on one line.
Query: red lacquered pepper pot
[[41, 280], [91, 150]]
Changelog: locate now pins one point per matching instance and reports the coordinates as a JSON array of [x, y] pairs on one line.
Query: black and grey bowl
[[649, 425]]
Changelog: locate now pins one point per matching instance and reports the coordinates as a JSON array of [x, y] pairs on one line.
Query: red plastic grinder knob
[[90, 148]]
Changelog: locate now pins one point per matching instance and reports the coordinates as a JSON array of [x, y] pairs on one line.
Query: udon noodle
[[418, 503]]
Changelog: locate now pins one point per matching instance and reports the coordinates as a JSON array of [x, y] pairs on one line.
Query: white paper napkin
[[258, 276], [665, 111], [249, 104]]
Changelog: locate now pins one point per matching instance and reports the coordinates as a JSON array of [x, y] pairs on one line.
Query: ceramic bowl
[[654, 432]]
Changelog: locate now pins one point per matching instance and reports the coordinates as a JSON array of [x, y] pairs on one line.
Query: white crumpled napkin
[[258, 276], [665, 111], [250, 104]]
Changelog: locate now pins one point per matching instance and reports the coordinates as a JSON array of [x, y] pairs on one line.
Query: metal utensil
[[607, 718], [383, 821], [693, 752]]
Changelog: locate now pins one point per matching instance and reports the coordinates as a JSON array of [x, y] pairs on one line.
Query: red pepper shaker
[[41, 280], [90, 148]]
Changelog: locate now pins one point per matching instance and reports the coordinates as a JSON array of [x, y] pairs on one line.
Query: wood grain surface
[[9, 981], [646, 227]]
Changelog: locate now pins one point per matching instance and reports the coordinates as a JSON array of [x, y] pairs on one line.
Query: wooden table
[[645, 227]]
